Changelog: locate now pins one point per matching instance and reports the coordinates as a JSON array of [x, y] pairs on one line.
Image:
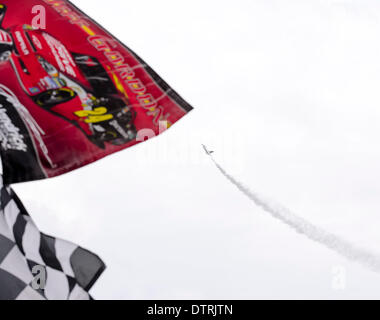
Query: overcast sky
[[287, 94]]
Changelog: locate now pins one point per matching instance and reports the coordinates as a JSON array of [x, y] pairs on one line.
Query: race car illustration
[[73, 86]]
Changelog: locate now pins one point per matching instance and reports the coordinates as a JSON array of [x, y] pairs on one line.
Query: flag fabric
[[35, 266], [71, 92]]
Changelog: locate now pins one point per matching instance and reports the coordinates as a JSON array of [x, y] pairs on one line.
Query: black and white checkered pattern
[[70, 270]]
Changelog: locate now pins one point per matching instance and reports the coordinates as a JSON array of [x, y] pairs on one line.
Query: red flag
[[70, 92]]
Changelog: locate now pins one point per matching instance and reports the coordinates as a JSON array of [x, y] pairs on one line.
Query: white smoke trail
[[329, 240]]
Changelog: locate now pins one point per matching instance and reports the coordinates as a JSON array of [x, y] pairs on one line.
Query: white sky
[[287, 93]]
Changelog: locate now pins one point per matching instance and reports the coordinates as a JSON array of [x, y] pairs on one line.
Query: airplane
[[209, 153]]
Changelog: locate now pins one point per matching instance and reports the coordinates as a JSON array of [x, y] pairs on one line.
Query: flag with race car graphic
[[70, 92]]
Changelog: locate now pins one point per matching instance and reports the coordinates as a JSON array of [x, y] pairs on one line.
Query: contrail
[[329, 240]]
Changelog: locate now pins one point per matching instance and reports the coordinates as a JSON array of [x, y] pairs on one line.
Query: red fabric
[[71, 37]]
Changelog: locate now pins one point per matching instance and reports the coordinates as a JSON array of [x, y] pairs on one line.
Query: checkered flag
[[34, 266]]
